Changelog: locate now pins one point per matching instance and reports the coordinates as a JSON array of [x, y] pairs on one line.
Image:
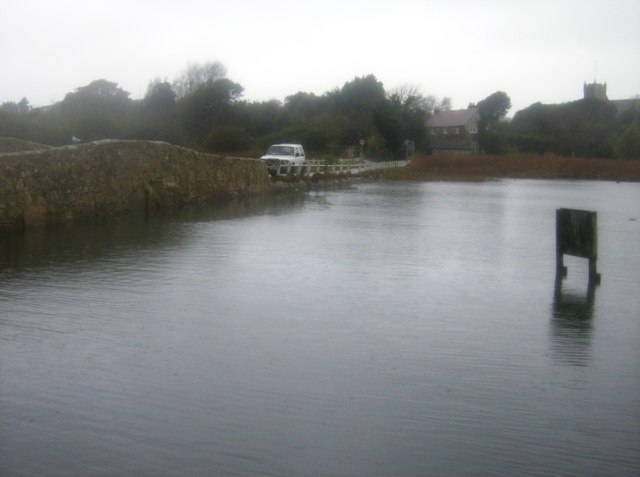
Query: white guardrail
[[342, 167]]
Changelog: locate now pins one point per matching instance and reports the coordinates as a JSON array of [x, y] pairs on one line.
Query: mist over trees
[[203, 109]]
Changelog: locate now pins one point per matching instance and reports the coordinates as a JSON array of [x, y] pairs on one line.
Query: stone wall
[[53, 185], [10, 144]]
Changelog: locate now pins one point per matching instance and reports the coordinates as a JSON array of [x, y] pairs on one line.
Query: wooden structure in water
[[577, 235]]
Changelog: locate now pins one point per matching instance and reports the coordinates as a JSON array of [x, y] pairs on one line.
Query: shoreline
[[485, 167], [41, 186]]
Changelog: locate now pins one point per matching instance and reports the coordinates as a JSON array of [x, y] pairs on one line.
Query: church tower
[[595, 91]]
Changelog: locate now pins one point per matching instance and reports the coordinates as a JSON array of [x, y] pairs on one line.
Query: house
[[454, 131], [629, 107]]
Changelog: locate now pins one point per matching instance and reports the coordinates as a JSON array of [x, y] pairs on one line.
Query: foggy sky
[[538, 50]]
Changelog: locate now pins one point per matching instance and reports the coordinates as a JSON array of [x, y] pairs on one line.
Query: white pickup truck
[[284, 155]]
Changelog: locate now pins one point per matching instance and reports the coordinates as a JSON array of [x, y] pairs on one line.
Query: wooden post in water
[[577, 235]]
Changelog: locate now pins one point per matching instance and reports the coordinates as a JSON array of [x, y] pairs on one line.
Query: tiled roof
[[453, 118]]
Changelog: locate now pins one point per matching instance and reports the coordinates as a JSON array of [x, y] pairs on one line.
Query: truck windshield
[[280, 150]]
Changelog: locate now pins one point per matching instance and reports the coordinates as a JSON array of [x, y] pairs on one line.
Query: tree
[[583, 128], [356, 101], [23, 107], [533, 128], [33, 126], [388, 121], [160, 99], [261, 119], [491, 110], [316, 122], [412, 95], [494, 107], [361, 94], [208, 106], [204, 96], [227, 139], [156, 117], [628, 143], [306, 105], [408, 94], [98, 110], [196, 75], [433, 104], [107, 92], [403, 116]]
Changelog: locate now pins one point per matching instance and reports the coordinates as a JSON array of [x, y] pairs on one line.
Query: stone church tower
[[595, 91]]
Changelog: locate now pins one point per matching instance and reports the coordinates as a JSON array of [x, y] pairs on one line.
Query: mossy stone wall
[[44, 186]]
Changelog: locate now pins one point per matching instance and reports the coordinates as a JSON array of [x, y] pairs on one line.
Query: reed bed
[[478, 168]]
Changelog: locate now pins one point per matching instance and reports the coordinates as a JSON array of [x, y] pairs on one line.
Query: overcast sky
[[534, 50]]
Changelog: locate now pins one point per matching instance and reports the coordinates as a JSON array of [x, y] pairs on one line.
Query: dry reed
[[477, 168]]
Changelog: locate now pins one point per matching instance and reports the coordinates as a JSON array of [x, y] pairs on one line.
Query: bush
[[227, 139], [628, 143]]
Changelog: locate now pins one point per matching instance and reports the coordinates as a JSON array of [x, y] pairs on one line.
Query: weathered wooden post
[[577, 235]]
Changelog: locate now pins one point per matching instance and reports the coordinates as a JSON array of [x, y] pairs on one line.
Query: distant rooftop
[[452, 118]]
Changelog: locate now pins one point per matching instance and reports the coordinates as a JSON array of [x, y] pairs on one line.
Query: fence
[[312, 167]]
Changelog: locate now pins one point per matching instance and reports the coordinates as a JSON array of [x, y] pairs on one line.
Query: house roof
[[453, 118], [624, 105]]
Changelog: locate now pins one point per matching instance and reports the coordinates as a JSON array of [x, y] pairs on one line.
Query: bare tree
[[409, 95], [435, 105], [197, 74], [412, 96]]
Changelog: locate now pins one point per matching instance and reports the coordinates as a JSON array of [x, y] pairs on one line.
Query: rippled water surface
[[387, 329]]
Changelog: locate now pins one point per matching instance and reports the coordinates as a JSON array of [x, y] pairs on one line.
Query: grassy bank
[[475, 168]]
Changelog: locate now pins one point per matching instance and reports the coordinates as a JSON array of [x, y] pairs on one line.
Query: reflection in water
[[572, 324], [136, 232]]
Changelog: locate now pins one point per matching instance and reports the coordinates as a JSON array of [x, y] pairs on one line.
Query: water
[[388, 329]]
